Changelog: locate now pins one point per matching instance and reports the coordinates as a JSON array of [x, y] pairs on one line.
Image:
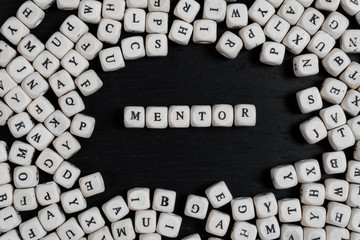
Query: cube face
[[47, 193], [196, 207], [348, 41], [102, 233], [133, 48], [351, 75], [7, 54], [312, 194], [291, 231], [111, 59], [333, 116], [327, 6], [338, 214], [306, 65], [313, 130], [157, 117], [24, 199], [352, 174], [39, 137], [57, 123], [336, 189], [156, 45], [6, 224], [291, 11], [214, 10], [341, 138], [180, 32], [313, 216], [244, 228], [222, 115], [308, 170], [82, 125], [350, 104], [71, 103], [34, 85], [5, 171], [353, 196], [229, 45], [296, 39], [217, 223], [61, 83], [335, 24], [272, 53], [14, 30], [113, 9], [57, 217], [74, 63], [276, 28], [145, 221], [205, 31], [284, 177], [252, 36], [138, 199], [67, 201], [7, 82], [123, 229], [31, 229], [70, 225], [179, 116], [115, 209], [333, 90], [66, 145], [26, 176], [58, 44], [157, 22], [109, 31], [311, 233], [336, 62], [20, 124], [321, 44], [336, 231], [30, 47], [91, 220], [17, 99], [289, 210], [19, 68], [187, 10], [334, 162], [88, 46], [134, 20], [265, 205], [236, 15], [73, 28], [261, 11], [6, 193], [164, 200], [311, 20], [90, 11], [21, 153], [66, 174], [219, 194], [243, 209], [268, 228], [201, 116], [92, 184], [169, 225]]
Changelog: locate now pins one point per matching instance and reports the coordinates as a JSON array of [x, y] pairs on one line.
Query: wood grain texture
[[189, 160]]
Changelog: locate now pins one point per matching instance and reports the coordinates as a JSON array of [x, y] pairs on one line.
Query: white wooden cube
[[92, 184], [272, 53], [70, 228], [34, 85], [261, 11], [26, 176], [30, 14], [201, 116], [336, 189], [276, 28], [236, 15], [333, 90], [24, 199], [11, 235], [289, 210], [10, 219], [88, 82], [196, 207], [71, 103], [252, 36], [296, 40], [313, 216], [40, 109], [336, 62], [31, 229], [338, 214], [157, 117], [311, 20], [265, 205], [350, 7], [341, 138], [123, 229], [205, 31], [133, 47], [351, 102], [102, 233], [19, 68], [74, 63], [353, 172], [134, 20], [91, 220], [73, 28], [214, 10], [229, 45], [14, 30], [109, 31], [187, 10], [21, 153], [39, 137], [66, 175], [313, 130], [46, 64], [291, 11], [327, 5], [308, 170], [354, 220], [145, 221], [218, 194], [242, 209], [351, 75], [134, 117], [354, 124], [333, 116], [180, 32], [51, 217], [348, 41], [156, 45], [306, 65], [66, 145], [245, 115], [336, 232], [217, 223], [334, 162], [47, 193], [73, 201], [115, 209], [17, 99], [164, 200], [284, 176], [20, 124], [59, 45], [243, 230], [6, 195], [111, 59], [113, 9], [309, 100], [30, 47], [268, 228], [222, 115], [6, 82], [57, 123], [179, 116], [7, 53], [312, 193], [5, 171], [82, 125], [61, 83], [67, 4], [138, 199], [321, 44], [314, 233], [157, 22], [291, 231], [89, 46], [90, 11]]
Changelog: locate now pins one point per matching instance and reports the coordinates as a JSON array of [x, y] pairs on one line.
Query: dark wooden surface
[[189, 160]]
